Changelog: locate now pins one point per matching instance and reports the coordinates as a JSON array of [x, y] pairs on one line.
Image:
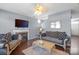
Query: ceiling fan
[[39, 9]]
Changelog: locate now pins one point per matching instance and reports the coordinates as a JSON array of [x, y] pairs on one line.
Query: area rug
[[36, 50]]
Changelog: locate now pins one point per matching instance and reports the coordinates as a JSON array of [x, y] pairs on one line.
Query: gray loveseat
[[8, 43], [60, 38]]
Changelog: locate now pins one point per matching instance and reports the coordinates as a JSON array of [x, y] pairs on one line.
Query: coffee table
[[45, 44]]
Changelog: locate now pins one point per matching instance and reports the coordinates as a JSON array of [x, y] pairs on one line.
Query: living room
[[36, 28]]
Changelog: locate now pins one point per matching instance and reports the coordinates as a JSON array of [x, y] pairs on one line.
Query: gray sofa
[[8, 43], [60, 38]]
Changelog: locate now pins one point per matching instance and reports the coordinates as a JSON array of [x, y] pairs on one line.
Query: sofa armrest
[[7, 48], [65, 43], [4, 48]]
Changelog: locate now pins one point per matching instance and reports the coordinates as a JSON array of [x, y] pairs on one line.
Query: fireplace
[[23, 34]]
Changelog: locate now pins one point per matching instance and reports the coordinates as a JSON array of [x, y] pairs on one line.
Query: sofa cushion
[[3, 51], [51, 34], [8, 36], [43, 34], [2, 37], [55, 40], [14, 37], [1, 45], [61, 35]]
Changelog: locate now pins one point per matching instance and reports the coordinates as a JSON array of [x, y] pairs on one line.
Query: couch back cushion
[[14, 36], [2, 37], [51, 34], [62, 35], [8, 36], [56, 34]]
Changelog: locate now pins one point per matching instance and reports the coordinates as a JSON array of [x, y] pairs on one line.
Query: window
[[55, 25]]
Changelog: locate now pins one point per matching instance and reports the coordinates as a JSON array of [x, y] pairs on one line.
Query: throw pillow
[[14, 37], [43, 34], [2, 37], [8, 37], [62, 35]]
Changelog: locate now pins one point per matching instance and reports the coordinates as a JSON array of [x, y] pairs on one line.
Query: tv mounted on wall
[[21, 23]]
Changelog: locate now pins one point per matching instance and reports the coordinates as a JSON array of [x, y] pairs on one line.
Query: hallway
[[75, 45]]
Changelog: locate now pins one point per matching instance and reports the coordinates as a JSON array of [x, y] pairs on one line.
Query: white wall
[[65, 20], [7, 22], [75, 24], [33, 28], [75, 28]]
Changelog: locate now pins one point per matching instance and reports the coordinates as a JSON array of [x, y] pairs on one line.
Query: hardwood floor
[[75, 45], [25, 44]]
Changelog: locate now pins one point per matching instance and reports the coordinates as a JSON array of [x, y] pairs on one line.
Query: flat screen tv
[[21, 23]]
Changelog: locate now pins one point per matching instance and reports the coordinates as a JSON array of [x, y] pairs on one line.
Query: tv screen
[[21, 23]]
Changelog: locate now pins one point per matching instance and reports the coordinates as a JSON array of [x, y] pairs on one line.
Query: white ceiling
[[27, 8]]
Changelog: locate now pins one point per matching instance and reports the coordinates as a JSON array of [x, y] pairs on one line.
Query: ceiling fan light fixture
[[39, 9]]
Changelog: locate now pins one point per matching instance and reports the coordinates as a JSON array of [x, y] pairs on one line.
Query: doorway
[[75, 36]]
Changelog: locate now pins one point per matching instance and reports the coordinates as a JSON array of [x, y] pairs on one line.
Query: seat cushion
[[3, 51], [55, 40], [1, 45]]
